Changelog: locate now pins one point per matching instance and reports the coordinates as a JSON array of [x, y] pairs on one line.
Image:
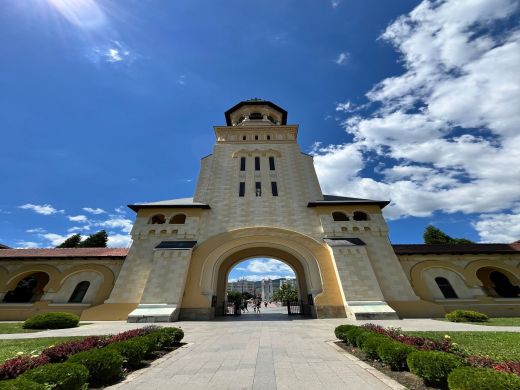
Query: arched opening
[[178, 219], [158, 219], [497, 283], [360, 216], [29, 289], [255, 116], [446, 289], [275, 268], [79, 292], [339, 216]]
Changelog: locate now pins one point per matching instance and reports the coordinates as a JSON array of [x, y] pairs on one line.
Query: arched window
[[79, 292], [178, 219], [29, 289], [360, 216], [446, 288], [339, 216], [503, 286], [256, 116], [159, 218]]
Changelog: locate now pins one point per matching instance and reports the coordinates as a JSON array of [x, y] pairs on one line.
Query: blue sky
[[106, 103], [261, 268]]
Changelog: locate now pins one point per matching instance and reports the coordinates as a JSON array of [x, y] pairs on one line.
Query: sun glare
[[85, 14]]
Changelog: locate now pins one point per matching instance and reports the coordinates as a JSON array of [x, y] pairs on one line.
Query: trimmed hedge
[[362, 336], [341, 331], [61, 376], [56, 320], [132, 351], [433, 366], [394, 354], [170, 336], [470, 378], [104, 365], [466, 316], [21, 384], [371, 344]]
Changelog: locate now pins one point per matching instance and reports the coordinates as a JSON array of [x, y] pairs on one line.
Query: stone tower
[[258, 195]]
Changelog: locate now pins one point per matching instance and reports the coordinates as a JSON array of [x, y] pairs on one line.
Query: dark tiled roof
[[331, 200], [182, 203], [412, 249], [255, 102], [63, 252]]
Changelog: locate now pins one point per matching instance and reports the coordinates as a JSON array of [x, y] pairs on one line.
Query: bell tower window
[[242, 189], [257, 163], [274, 188], [255, 116], [271, 163], [258, 188], [242, 163]]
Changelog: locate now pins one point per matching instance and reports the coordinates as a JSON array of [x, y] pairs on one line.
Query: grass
[[499, 321], [17, 327], [497, 345], [9, 348]]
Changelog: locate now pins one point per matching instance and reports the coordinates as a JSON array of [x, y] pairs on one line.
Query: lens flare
[[85, 14]]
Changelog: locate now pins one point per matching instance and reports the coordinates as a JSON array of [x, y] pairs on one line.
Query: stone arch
[[360, 215], [106, 285], [487, 275], [474, 266], [21, 273], [4, 275], [417, 273], [340, 216], [313, 257]]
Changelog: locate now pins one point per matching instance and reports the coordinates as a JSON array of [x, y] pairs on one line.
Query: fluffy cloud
[[27, 244], [119, 241], [256, 278], [53, 238], [117, 222], [45, 209], [95, 211], [77, 218], [268, 265], [446, 130]]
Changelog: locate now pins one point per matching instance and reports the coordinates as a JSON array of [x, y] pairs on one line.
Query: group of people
[[257, 304]]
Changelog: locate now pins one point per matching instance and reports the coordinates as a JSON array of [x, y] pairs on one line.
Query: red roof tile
[[411, 249], [63, 252]]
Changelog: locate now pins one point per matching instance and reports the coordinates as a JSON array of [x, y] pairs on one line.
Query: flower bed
[[432, 360], [155, 338]]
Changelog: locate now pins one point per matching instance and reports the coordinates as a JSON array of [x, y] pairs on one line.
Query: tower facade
[[258, 195]]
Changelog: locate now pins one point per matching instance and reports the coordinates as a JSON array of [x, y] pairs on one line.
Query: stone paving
[[265, 351]]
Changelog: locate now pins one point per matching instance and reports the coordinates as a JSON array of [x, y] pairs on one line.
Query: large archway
[[205, 286]]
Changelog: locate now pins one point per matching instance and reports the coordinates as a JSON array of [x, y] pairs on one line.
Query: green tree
[[96, 240], [285, 293], [234, 296], [433, 235], [71, 242]]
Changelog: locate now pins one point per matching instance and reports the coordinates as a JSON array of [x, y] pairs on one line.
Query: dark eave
[[255, 103], [335, 200], [456, 249], [179, 245], [137, 207]]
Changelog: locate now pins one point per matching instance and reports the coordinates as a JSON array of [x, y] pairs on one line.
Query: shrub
[[13, 367], [132, 351], [362, 336], [341, 331], [433, 366], [470, 378], [371, 343], [21, 384], [171, 336], [56, 320], [59, 376], [466, 316], [129, 334], [59, 353], [394, 354], [104, 365], [352, 334], [511, 367]]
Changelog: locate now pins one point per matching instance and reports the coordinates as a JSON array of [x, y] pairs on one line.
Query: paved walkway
[[265, 351]]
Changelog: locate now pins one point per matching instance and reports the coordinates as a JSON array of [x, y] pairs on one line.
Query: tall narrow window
[[242, 163], [257, 163], [269, 138], [446, 288], [242, 188], [271, 163], [258, 188], [79, 292], [244, 138], [274, 188], [256, 138]]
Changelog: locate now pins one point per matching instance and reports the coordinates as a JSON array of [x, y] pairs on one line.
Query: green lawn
[[9, 348], [15, 327], [498, 345], [499, 321]]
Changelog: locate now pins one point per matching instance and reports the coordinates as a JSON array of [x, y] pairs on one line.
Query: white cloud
[[120, 210], [500, 227], [342, 58], [45, 209], [447, 130], [55, 239], [27, 244], [36, 230], [268, 265], [119, 241], [256, 278], [335, 3], [94, 211], [117, 222], [77, 218]]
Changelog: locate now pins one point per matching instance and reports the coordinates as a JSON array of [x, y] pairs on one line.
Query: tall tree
[[433, 235], [71, 242], [97, 240], [285, 293]]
